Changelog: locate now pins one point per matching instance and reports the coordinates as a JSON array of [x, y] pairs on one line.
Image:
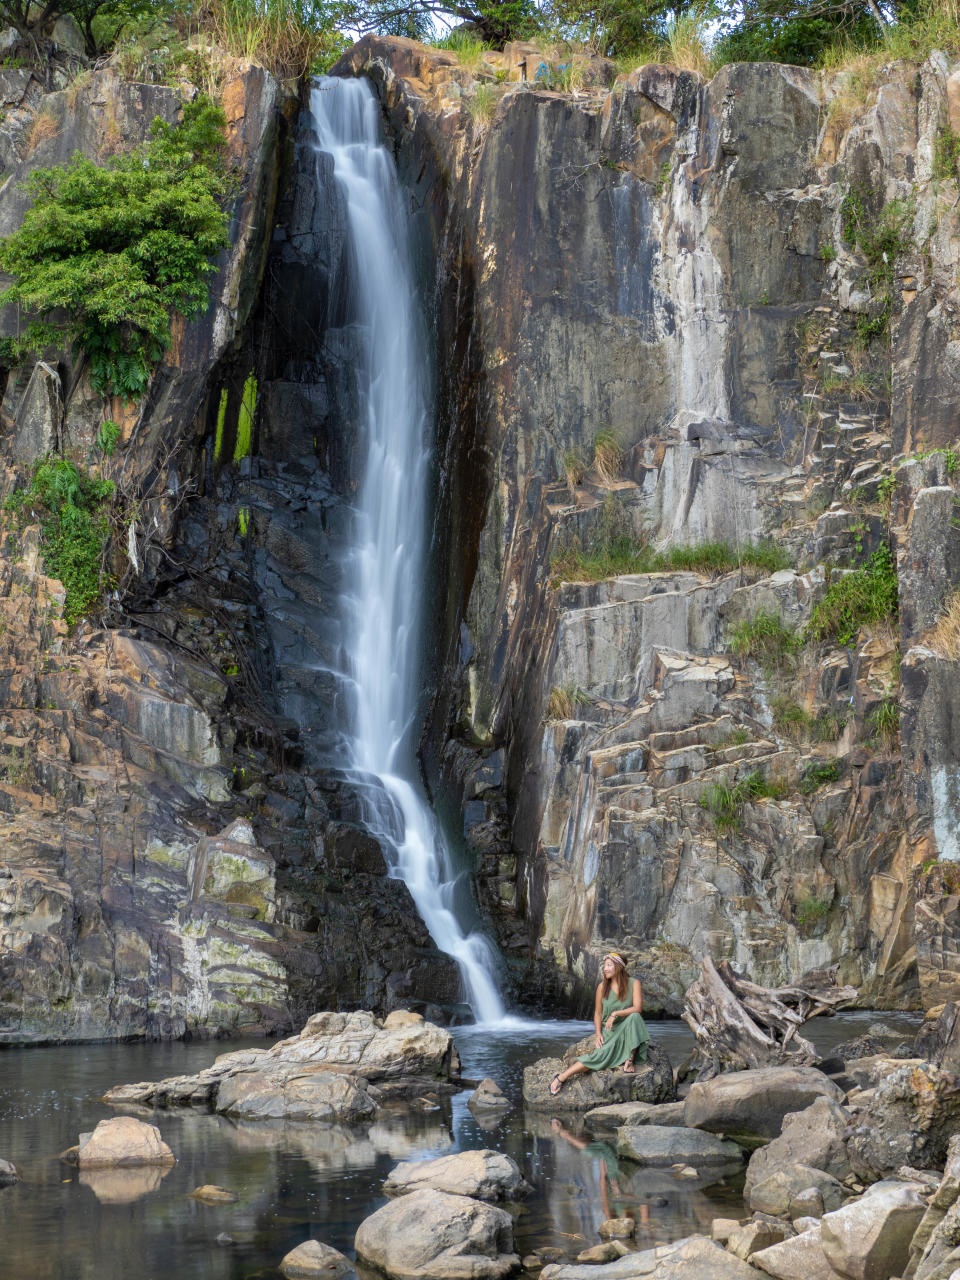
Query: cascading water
[[387, 563]]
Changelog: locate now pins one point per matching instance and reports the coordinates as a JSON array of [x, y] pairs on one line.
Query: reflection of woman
[[617, 1012], [606, 1157]]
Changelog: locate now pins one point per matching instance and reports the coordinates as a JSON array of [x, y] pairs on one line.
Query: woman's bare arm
[[636, 1007], [598, 1015]]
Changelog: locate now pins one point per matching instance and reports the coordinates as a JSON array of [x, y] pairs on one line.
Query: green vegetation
[[855, 599], [884, 721], [483, 103], [725, 804], [817, 774], [765, 638], [565, 702], [108, 435], [946, 156], [881, 238], [74, 526], [607, 456], [720, 557], [808, 912], [466, 44], [117, 248]]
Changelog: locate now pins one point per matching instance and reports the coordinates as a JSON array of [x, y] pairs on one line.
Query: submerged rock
[[484, 1175], [211, 1194], [662, 1145], [327, 1072], [313, 1259], [488, 1096], [431, 1235]]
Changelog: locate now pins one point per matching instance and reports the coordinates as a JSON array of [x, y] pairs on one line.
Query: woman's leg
[[564, 1076]]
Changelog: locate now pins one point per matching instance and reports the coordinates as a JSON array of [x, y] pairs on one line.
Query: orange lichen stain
[[125, 414]]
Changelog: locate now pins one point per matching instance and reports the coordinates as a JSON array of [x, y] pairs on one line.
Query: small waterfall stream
[[386, 566]]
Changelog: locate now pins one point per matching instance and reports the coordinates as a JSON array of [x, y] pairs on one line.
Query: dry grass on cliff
[[44, 126], [945, 636], [284, 36]]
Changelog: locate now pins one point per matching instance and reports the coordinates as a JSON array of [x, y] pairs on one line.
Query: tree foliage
[[106, 253]]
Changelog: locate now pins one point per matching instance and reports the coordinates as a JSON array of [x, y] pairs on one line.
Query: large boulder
[[311, 1093], [430, 1235], [628, 1113], [324, 1073], [122, 1142], [664, 1145], [798, 1258], [750, 1105], [651, 1082], [815, 1137], [870, 1239], [908, 1121], [485, 1175], [694, 1258], [780, 1190], [929, 1246]]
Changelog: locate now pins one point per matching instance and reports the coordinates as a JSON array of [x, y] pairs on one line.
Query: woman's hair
[[619, 981]]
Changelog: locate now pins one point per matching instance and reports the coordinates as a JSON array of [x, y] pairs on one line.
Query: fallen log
[[739, 1024]]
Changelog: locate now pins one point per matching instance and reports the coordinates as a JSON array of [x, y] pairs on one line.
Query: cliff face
[[673, 261], [173, 858]]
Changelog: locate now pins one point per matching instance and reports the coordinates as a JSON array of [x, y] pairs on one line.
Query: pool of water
[[294, 1182]]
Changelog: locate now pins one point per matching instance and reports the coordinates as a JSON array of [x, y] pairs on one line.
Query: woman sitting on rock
[[616, 1011]]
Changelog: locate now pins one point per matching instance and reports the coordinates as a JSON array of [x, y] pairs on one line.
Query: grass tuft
[[945, 636], [856, 599], [725, 804], [765, 638], [607, 456], [565, 702]]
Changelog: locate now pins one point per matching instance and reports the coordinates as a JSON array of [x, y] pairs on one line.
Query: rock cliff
[[691, 269]]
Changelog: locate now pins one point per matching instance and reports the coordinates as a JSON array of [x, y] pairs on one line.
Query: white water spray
[[387, 566]]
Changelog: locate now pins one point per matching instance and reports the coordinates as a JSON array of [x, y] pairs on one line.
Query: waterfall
[[387, 562]]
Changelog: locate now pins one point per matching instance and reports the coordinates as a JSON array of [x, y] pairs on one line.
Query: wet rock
[[797, 1258], [776, 1193], [488, 1095], [324, 1073], [484, 1175], [870, 1239], [752, 1104], [695, 1258], [908, 1120], [430, 1235], [815, 1137], [660, 1145], [599, 1253], [630, 1113], [211, 1194], [652, 1082], [617, 1229], [121, 1142], [314, 1259], [8, 1173]]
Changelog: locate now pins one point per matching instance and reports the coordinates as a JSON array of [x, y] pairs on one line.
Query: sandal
[[628, 1068], [555, 1081]]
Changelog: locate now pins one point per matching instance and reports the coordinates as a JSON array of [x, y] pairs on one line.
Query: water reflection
[[123, 1186]]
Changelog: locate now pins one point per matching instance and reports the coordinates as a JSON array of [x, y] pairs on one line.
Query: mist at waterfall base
[[387, 561]]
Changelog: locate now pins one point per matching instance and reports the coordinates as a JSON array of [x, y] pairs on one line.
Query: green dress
[[629, 1036]]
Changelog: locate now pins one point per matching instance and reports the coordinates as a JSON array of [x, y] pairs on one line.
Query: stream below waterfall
[[298, 1181]]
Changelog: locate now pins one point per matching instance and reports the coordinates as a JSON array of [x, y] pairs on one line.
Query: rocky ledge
[[341, 1066]]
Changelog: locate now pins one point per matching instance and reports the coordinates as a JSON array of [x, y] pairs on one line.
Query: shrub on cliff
[[105, 254]]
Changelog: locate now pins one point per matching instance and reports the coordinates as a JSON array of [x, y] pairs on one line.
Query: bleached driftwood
[[740, 1024]]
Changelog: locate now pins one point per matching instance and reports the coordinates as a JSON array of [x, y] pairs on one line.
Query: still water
[[298, 1181]]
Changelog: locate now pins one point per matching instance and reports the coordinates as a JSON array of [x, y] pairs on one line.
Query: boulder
[[121, 1143], [663, 1145], [617, 1229], [866, 1073], [652, 1082], [628, 1113], [9, 1173], [938, 1040], [778, 1190], [605, 1252], [815, 1137], [313, 1258], [36, 428], [797, 1258], [870, 1239], [941, 1255], [488, 1094], [694, 1258], [908, 1120], [750, 1105], [324, 1073], [485, 1175], [311, 1093], [430, 1235], [944, 1198], [756, 1235]]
